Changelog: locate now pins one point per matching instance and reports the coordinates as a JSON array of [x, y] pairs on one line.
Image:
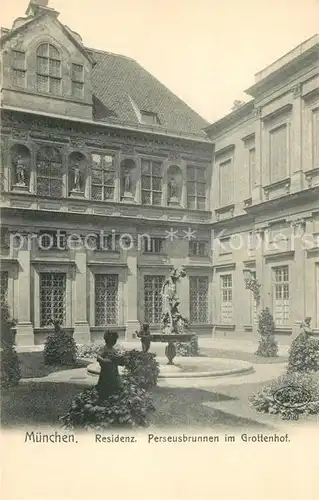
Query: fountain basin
[[193, 367], [171, 337]]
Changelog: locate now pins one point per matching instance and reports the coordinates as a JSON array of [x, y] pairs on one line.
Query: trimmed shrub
[[142, 368], [88, 351], [290, 396], [129, 407], [304, 354], [267, 346], [188, 349], [10, 364], [59, 348]]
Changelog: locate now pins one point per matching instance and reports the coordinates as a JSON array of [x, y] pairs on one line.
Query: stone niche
[[20, 168], [174, 186], [77, 174], [128, 180]]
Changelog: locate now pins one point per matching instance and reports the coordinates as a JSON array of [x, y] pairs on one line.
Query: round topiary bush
[[290, 396], [141, 367], [129, 407], [59, 348], [304, 354], [188, 349], [10, 364], [267, 346]]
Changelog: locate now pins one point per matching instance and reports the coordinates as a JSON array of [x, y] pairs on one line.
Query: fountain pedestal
[[170, 338]]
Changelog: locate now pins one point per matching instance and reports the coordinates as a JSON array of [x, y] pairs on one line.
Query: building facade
[[105, 181], [108, 179], [265, 199]]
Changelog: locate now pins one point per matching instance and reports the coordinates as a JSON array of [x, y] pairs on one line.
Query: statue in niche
[[20, 172], [76, 179], [127, 180], [173, 187]]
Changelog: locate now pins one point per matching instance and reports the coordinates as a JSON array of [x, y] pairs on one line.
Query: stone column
[[81, 325], [297, 291], [24, 327], [256, 193], [296, 142], [132, 323]]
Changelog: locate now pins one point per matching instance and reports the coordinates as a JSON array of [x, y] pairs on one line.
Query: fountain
[[174, 323], [176, 329]]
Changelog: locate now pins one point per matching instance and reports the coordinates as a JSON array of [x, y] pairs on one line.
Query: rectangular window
[[151, 182], [52, 298], [51, 240], [315, 138], [252, 168], [154, 245], [106, 299], [196, 187], [198, 299], [108, 242], [103, 177], [226, 183], [18, 68], [281, 295], [3, 288], [77, 81], [153, 304], [278, 153], [197, 248], [226, 299]]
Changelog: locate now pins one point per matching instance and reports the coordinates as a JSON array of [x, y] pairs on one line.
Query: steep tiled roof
[[119, 83]]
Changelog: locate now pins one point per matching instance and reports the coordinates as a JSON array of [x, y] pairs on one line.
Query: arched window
[[49, 172], [49, 78]]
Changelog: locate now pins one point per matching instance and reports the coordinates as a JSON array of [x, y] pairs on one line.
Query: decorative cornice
[[224, 151], [224, 267], [53, 262], [249, 263], [249, 137], [102, 263], [279, 255], [270, 116]]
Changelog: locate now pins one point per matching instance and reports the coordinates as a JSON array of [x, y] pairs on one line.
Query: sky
[[205, 51]]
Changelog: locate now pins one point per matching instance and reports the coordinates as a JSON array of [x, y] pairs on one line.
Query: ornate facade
[[106, 180]]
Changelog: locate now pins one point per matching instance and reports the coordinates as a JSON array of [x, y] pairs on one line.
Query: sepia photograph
[[159, 228]]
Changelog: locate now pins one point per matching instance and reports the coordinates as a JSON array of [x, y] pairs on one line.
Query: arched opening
[[77, 173], [20, 166], [128, 180]]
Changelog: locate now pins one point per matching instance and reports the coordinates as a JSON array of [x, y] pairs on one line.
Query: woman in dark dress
[[109, 380]]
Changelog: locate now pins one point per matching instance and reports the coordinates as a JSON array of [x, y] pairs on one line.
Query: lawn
[[32, 365], [42, 403]]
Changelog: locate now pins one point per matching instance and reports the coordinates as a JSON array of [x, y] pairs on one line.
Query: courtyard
[[45, 392]]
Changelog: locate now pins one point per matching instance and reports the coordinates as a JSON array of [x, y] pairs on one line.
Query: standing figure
[[20, 172], [76, 181], [306, 328], [127, 181], [173, 188], [145, 335], [109, 380]]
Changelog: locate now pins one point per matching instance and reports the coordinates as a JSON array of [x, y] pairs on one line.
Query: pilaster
[[81, 325], [24, 327], [296, 142], [256, 194], [132, 323]]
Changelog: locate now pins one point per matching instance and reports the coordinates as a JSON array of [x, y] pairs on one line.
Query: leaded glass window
[[226, 299], [281, 295], [153, 304], [151, 182], [49, 78], [103, 177], [18, 68], [154, 245], [3, 288], [106, 299], [52, 298], [77, 81], [196, 187], [197, 248], [49, 172], [198, 299]]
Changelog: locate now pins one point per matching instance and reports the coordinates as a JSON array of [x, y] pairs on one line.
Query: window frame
[[50, 60]]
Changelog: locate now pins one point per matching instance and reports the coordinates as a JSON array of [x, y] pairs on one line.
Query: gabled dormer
[[45, 65]]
